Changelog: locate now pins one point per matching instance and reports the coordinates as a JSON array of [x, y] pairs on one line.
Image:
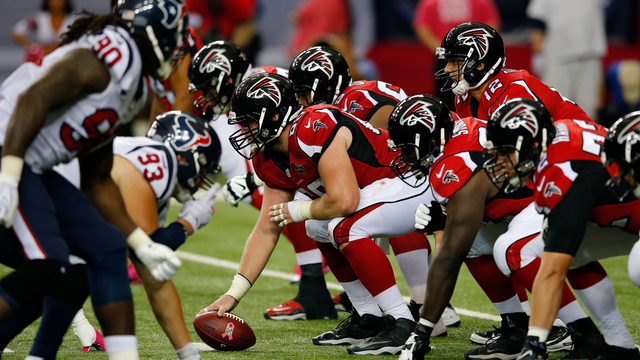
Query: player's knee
[[317, 230], [501, 255], [32, 281], [73, 289], [634, 264]]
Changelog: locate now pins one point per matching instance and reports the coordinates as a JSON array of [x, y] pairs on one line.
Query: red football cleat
[[291, 310], [134, 278], [98, 343]]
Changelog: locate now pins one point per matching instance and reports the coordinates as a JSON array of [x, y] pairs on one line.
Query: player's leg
[[103, 247]]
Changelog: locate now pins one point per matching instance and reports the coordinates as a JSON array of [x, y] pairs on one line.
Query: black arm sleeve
[[565, 226]]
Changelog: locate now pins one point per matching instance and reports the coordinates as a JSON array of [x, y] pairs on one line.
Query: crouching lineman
[[68, 107], [341, 163], [563, 159]]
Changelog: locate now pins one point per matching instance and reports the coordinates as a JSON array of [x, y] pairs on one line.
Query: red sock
[[410, 242], [370, 264], [297, 235], [526, 275], [520, 290], [338, 264], [586, 276], [493, 282]]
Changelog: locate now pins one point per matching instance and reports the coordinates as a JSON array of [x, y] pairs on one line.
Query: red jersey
[[578, 142], [511, 84], [310, 135], [363, 98], [462, 158]]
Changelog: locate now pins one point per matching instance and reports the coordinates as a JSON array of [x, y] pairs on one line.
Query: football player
[[475, 58], [320, 75], [563, 159], [342, 164], [69, 106], [215, 72]]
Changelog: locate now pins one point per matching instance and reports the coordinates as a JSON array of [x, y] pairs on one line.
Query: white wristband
[[239, 287], [12, 166], [257, 180], [300, 210], [138, 238]]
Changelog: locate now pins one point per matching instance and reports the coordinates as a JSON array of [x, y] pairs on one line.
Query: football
[[227, 333]]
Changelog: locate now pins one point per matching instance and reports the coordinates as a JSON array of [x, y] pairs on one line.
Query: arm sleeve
[[565, 226], [173, 235]]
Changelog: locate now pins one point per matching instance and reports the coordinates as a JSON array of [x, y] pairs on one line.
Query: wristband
[[138, 238], [12, 166], [239, 287], [427, 323], [257, 180], [300, 210]]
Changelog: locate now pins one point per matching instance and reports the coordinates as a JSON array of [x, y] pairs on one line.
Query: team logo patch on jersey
[[551, 189], [189, 136], [299, 169], [216, 60], [319, 61], [521, 116], [419, 113], [265, 88], [317, 125], [172, 11], [449, 176], [478, 38], [353, 106]]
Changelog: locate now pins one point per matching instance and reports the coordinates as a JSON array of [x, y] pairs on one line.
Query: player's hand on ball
[[430, 218], [198, 212], [161, 261], [224, 304], [8, 199]]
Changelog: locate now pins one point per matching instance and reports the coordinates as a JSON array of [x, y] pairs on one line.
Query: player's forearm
[[106, 197], [26, 121], [441, 282], [256, 254], [330, 206]]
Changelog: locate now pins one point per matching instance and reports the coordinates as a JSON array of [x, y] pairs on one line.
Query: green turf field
[[200, 284]]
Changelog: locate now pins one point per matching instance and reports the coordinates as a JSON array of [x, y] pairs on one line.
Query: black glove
[[417, 344], [430, 217]]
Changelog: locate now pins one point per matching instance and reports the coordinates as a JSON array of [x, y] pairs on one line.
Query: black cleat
[[389, 342], [507, 347], [352, 330]]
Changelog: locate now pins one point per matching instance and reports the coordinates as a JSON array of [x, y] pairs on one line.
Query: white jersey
[[158, 164], [154, 160], [86, 124]]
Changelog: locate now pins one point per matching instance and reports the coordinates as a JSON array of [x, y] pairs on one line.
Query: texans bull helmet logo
[[265, 88], [478, 38], [419, 113], [187, 136], [319, 61], [172, 11], [216, 60], [521, 116]]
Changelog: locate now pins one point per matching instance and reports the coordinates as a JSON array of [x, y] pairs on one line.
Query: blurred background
[[388, 40]]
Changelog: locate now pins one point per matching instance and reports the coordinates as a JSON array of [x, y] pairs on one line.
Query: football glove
[[533, 349], [239, 187], [417, 344], [198, 212], [161, 261], [430, 217]]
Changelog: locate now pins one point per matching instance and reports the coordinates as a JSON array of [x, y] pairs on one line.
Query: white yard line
[[287, 276]]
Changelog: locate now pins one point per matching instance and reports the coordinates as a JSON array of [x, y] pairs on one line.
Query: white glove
[[8, 199], [198, 212], [430, 217], [239, 187], [161, 261]]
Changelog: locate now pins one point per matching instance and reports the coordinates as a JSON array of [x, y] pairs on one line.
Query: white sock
[[309, 257], [188, 352], [391, 302], [600, 300], [83, 329], [509, 306], [122, 347], [361, 299], [571, 312], [415, 269], [31, 357]]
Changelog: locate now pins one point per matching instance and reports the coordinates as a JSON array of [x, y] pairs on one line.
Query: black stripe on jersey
[[361, 149], [382, 101], [279, 159], [130, 57], [474, 106], [586, 167], [169, 163]]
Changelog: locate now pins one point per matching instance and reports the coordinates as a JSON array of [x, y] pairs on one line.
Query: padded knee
[[31, 282], [317, 230], [501, 254], [109, 281], [634, 264]]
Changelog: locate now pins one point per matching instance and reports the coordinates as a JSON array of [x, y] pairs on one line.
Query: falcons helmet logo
[[188, 137], [216, 60], [630, 132], [319, 61], [265, 88], [478, 38], [419, 113], [521, 116]]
